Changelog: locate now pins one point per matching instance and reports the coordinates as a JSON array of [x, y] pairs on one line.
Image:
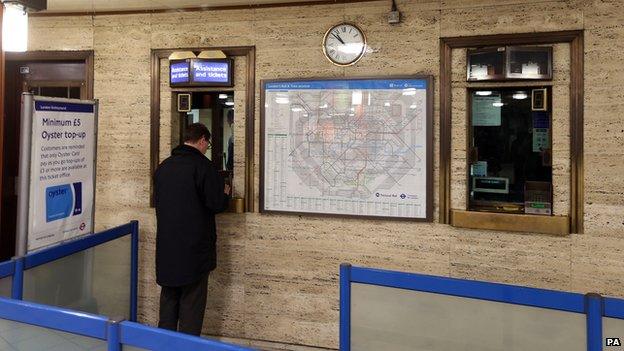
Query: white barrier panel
[[392, 319], [613, 333]]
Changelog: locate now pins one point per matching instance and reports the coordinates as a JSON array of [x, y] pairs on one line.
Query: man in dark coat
[[188, 192]]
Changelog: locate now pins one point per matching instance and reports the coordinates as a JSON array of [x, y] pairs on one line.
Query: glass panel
[[74, 92], [111, 277], [486, 64], [15, 336], [392, 319], [5, 286], [228, 139], [530, 62], [613, 328], [62, 92], [203, 116], [510, 163], [96, 280]]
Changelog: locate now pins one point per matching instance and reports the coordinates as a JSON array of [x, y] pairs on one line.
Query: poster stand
[[58, 143]]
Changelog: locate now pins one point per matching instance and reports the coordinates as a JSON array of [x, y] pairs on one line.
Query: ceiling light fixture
[[182, 55], [520, 95], [14, 28]]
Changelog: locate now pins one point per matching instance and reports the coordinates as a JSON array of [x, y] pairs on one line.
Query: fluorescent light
[[296, 109], [497, 104], [14, 28], [387, 104], [282, 100], [323, 106], [409, 91], [520, 95], [182, 55], [483, 93], [356, 98], [222, 96], [413, 106], [229, 103]]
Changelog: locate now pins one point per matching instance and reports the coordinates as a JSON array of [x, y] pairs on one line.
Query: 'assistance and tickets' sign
[[62, 171]]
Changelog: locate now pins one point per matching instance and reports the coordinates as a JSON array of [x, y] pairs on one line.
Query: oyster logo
[[63, 201]]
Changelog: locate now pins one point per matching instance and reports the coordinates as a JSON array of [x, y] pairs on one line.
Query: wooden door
[[66, 79]]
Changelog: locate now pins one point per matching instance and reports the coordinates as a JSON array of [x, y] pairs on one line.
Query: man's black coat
[[188, 192]]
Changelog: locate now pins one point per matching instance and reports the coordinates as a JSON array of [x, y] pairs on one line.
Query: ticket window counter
[[510, 151], [216, 111]]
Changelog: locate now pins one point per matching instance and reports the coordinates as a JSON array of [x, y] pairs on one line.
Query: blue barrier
[[7, 269], [134, 269], [142, 336], [18, 279], [54, 318], [71, 247], [613, 308], [592, 305], [115, 334], [17, 266]]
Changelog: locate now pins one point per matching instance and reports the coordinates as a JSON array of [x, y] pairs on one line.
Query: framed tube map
[[348, 147]]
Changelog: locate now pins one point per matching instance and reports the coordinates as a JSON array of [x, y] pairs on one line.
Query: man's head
[[197, 136]]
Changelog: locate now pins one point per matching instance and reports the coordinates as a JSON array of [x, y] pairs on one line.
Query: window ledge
[[557, 225]]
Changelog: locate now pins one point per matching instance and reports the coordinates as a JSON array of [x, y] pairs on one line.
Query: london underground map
[[348, 147]]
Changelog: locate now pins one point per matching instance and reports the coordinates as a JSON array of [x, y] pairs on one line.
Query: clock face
[[344, 44]]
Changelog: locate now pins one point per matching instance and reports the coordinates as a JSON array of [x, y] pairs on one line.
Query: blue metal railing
[[41, 257], [54, 318], [7, 269], [613, 308], [142, 336], [593, 306], [114, 334]]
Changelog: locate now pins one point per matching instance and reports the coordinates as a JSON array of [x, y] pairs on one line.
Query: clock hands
[[338, 37]]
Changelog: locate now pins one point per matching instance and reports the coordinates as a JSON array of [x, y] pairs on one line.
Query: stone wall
[[278, 275]]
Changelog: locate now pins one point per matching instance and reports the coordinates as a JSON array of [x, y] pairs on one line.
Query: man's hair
[[195, 132]]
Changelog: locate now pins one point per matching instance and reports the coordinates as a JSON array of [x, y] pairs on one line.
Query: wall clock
[[344, 44]]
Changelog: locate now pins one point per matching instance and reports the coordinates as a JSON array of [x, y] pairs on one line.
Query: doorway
[[53, 74], [216, 111]]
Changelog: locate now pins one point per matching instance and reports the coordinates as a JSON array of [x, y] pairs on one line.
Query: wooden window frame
[[481, 220], [245, 51]]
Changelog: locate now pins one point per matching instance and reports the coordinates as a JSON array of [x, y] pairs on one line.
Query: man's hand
[[227, 189]]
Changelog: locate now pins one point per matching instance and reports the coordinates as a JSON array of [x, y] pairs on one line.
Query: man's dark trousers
[[184, 305]]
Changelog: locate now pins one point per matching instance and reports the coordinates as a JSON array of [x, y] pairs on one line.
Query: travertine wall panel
[[72, 33], [278, 275], [510, 18]]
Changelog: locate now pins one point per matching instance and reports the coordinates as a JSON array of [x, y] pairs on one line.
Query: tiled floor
[[271, 346]]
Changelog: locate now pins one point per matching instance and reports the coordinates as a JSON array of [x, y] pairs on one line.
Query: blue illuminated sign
[[179, 72], [211, 71]]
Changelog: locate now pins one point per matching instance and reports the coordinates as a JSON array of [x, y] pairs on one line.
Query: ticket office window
[[509, 151], [216, 111]]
